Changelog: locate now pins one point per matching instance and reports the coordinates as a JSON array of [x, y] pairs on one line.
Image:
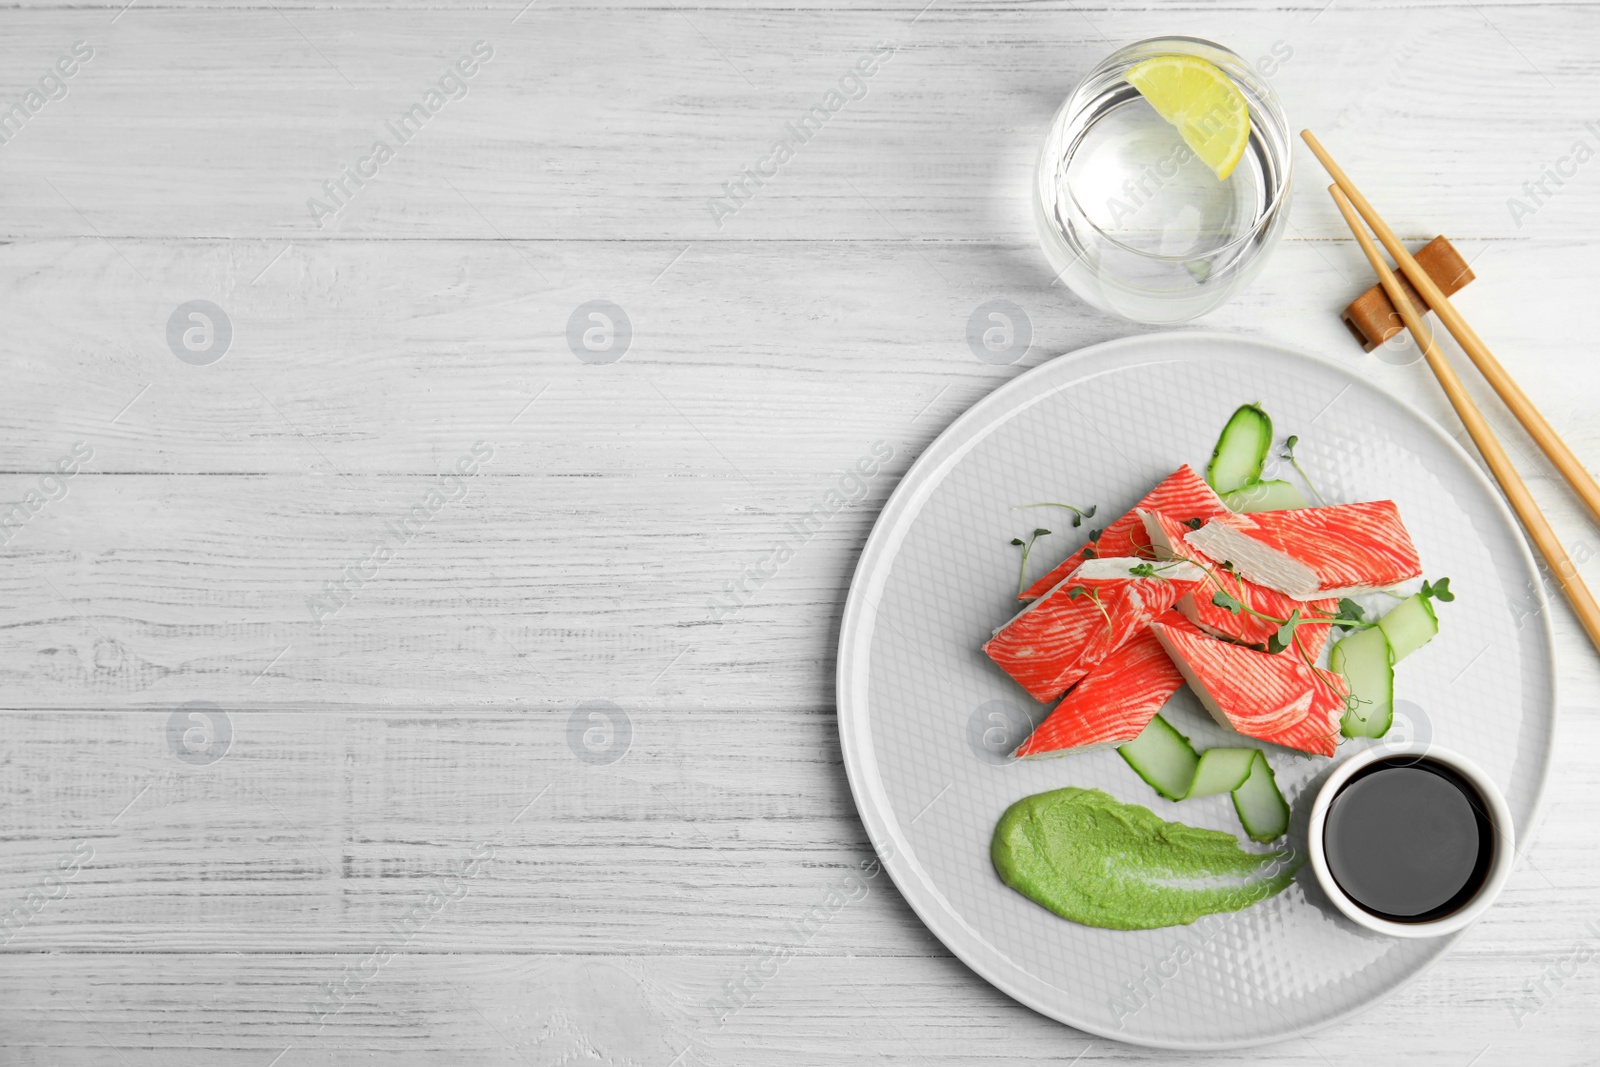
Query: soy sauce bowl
[[1488, 806]]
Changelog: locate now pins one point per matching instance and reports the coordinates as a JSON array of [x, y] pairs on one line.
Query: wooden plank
[[940, 148], [321, 828], [540, 591], [419, 1009], [753, 361], [910, 9]]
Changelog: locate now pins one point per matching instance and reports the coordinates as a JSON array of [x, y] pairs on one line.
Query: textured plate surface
[[925, 718]]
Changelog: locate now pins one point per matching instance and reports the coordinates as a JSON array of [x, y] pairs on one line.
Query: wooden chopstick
[[1543, 435], [1499, 463]]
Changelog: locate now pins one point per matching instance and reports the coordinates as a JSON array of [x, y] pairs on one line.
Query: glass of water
[[1131, 219]]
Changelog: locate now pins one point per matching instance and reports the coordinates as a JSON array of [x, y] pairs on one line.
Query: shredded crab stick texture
[[1182, 493], [1113, 704], [1058, 639], [1311, 553], [1166, 534], [1271, 697]]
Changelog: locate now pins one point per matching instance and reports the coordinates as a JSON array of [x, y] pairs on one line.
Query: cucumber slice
[[1262, 810], [1241, 450], [1265, 496], [1162, 757], [1409, 626], [1221, 770], [1367, 663]]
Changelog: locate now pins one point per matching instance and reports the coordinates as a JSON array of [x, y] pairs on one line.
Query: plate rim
[[873, 820]]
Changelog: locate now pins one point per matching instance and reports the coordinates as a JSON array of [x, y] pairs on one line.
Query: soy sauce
[[1408, 839]]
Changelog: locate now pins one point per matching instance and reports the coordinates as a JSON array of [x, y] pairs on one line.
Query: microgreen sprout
[[1077, 591], [1078, 514], [1288, 454], [1439, 590], [1286, 627], [1284, 638], [1350, 617], [1026, 546]]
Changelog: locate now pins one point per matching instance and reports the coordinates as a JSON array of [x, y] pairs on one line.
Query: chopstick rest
[[1373, 319]]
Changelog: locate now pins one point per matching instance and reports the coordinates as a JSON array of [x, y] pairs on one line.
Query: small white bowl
[[1499, 822]]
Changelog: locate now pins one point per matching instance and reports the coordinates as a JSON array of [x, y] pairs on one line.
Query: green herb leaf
[[1017, 541], [1285, 635], [1350, 613], [1228, 601], [1193, 524], [1288, 454], [1439, 590], [1143, 570]]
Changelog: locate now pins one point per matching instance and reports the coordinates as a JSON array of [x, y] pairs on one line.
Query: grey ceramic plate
[[925, 718]]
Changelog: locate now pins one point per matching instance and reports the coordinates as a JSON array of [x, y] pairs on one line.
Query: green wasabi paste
[[1090, 858]]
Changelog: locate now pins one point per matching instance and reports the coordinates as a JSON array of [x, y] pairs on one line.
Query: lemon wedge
[[1202, 102]]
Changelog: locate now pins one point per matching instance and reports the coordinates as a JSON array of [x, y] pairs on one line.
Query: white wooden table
[[521, 792]]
